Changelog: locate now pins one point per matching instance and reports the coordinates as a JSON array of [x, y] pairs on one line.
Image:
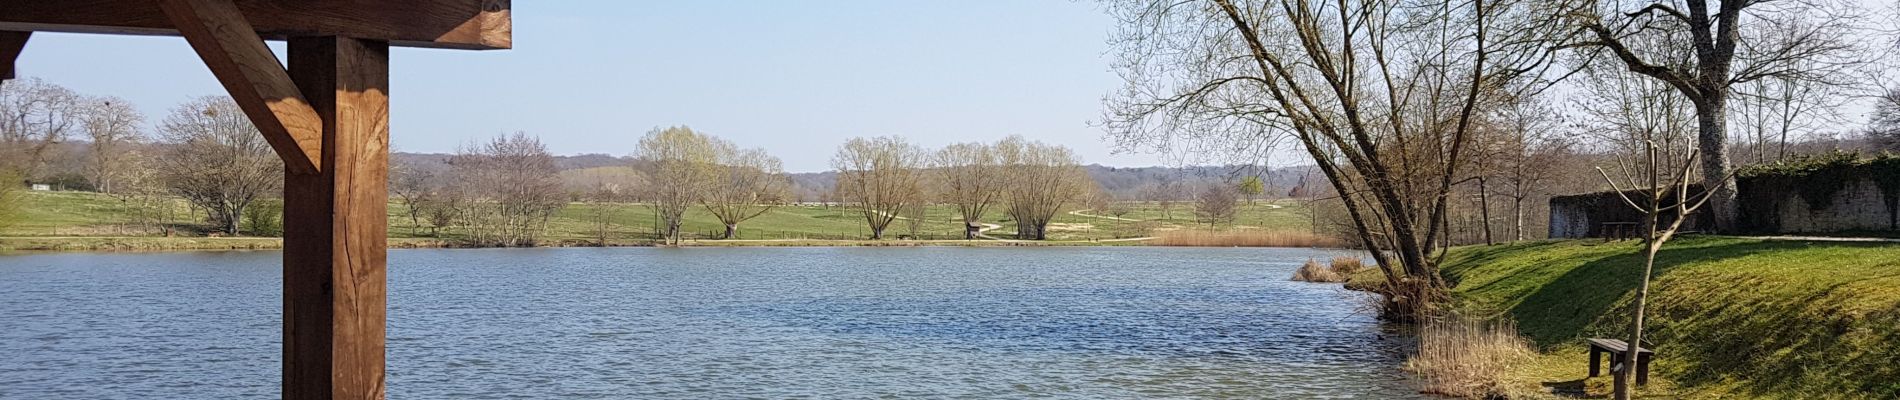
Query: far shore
[[148, 243]]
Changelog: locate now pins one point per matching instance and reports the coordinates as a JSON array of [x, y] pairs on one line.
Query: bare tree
[[34, 117], [679, 167], [1703, 48], [1533, 154], [879, 177], [113, 126], [969, 177], [513, 189], [1665, 201], [412, 185], [1775, 111], [1041, 179], [1216, 205], [1883, 127], [1164, 194], [1381, 94], [218, 161]]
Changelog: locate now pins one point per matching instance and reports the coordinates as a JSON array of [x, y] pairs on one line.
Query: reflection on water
[[718, 323]]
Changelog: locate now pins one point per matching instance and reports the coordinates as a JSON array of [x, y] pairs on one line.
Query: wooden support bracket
[[256, 80], [11, 42]]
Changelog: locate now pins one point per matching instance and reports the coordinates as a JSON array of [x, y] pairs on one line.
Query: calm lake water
[[1134, 322]]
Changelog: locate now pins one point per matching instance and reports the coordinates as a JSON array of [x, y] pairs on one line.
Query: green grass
[[77, 214], [1729, 317]]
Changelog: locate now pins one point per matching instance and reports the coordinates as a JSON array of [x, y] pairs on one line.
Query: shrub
[[1347, 265], [264, 218], [1313, 271], [1468, 358]]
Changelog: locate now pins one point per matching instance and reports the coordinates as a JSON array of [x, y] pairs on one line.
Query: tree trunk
[[1517, 217], [877, 233], [970, 231], [732, 231], [1711, 141], [1484, 210], [1625, 377]]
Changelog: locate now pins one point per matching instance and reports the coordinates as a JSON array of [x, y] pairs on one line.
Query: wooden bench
[[1615, 231], [1616, 349]]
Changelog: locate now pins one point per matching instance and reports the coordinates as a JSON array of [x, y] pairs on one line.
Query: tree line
[[205, 156]]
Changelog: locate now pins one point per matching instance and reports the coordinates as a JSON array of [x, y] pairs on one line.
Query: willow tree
[[749, 184], [879, 177], [1703, 49], [969, 178], [1039, 180], [679, 167], [1380, 93]]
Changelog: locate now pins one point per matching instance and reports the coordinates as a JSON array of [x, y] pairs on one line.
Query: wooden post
[[334, 225]]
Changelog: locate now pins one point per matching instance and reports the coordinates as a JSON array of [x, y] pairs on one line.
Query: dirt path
[[1079, 213]]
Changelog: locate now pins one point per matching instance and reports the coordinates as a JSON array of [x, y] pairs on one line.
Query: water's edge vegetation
[[1732, 317]]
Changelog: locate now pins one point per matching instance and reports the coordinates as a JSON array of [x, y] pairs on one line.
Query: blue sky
[[797, 78]]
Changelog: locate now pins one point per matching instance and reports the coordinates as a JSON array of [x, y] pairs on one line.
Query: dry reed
[[1241, 238], [1347, 265], [1469, 358], [1313, 271]]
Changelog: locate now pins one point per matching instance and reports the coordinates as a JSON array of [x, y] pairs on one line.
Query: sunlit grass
[[1729, 317]]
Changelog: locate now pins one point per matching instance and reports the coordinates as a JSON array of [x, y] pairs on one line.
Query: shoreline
[[150, 243]]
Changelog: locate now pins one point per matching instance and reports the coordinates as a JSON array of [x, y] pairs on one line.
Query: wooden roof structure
[[327, 116]]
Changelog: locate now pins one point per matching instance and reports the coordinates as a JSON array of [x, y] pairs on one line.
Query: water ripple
[[818, 323]]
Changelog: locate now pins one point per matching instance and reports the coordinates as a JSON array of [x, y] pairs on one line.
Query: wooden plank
[[252, 75], [11, 43], [334, 225], [452, 24]]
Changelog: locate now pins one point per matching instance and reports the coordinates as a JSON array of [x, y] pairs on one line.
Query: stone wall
[[1849, 198]]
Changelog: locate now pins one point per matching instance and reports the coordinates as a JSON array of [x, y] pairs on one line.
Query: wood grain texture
[[11, 43], [335, 253], [452, 24], [252, 75]]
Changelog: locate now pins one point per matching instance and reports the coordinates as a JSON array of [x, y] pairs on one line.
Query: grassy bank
[[1729, 318]]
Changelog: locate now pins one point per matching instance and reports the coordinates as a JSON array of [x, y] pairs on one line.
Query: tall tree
[[217, 160], [879, 177], [34, 117], [750, 183], [1703, 48], [1040, 179], [969, 178], [113, 126], [679, 166], [1380, 94]]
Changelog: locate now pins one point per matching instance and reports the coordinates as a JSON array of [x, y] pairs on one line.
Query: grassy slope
[[1729, 317], [62, 214]]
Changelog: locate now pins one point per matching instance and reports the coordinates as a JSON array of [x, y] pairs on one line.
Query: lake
[[693, 323]]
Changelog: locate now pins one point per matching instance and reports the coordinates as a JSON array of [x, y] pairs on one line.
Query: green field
[[49, 215], [1729, 317]]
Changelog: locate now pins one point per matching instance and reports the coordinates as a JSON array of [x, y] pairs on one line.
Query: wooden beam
[[11, 42], [251, 73], [335, 225], [452, 24]]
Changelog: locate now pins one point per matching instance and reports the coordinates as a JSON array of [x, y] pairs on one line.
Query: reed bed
[[1241, 238], [1469, 358], [1313, 271]]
